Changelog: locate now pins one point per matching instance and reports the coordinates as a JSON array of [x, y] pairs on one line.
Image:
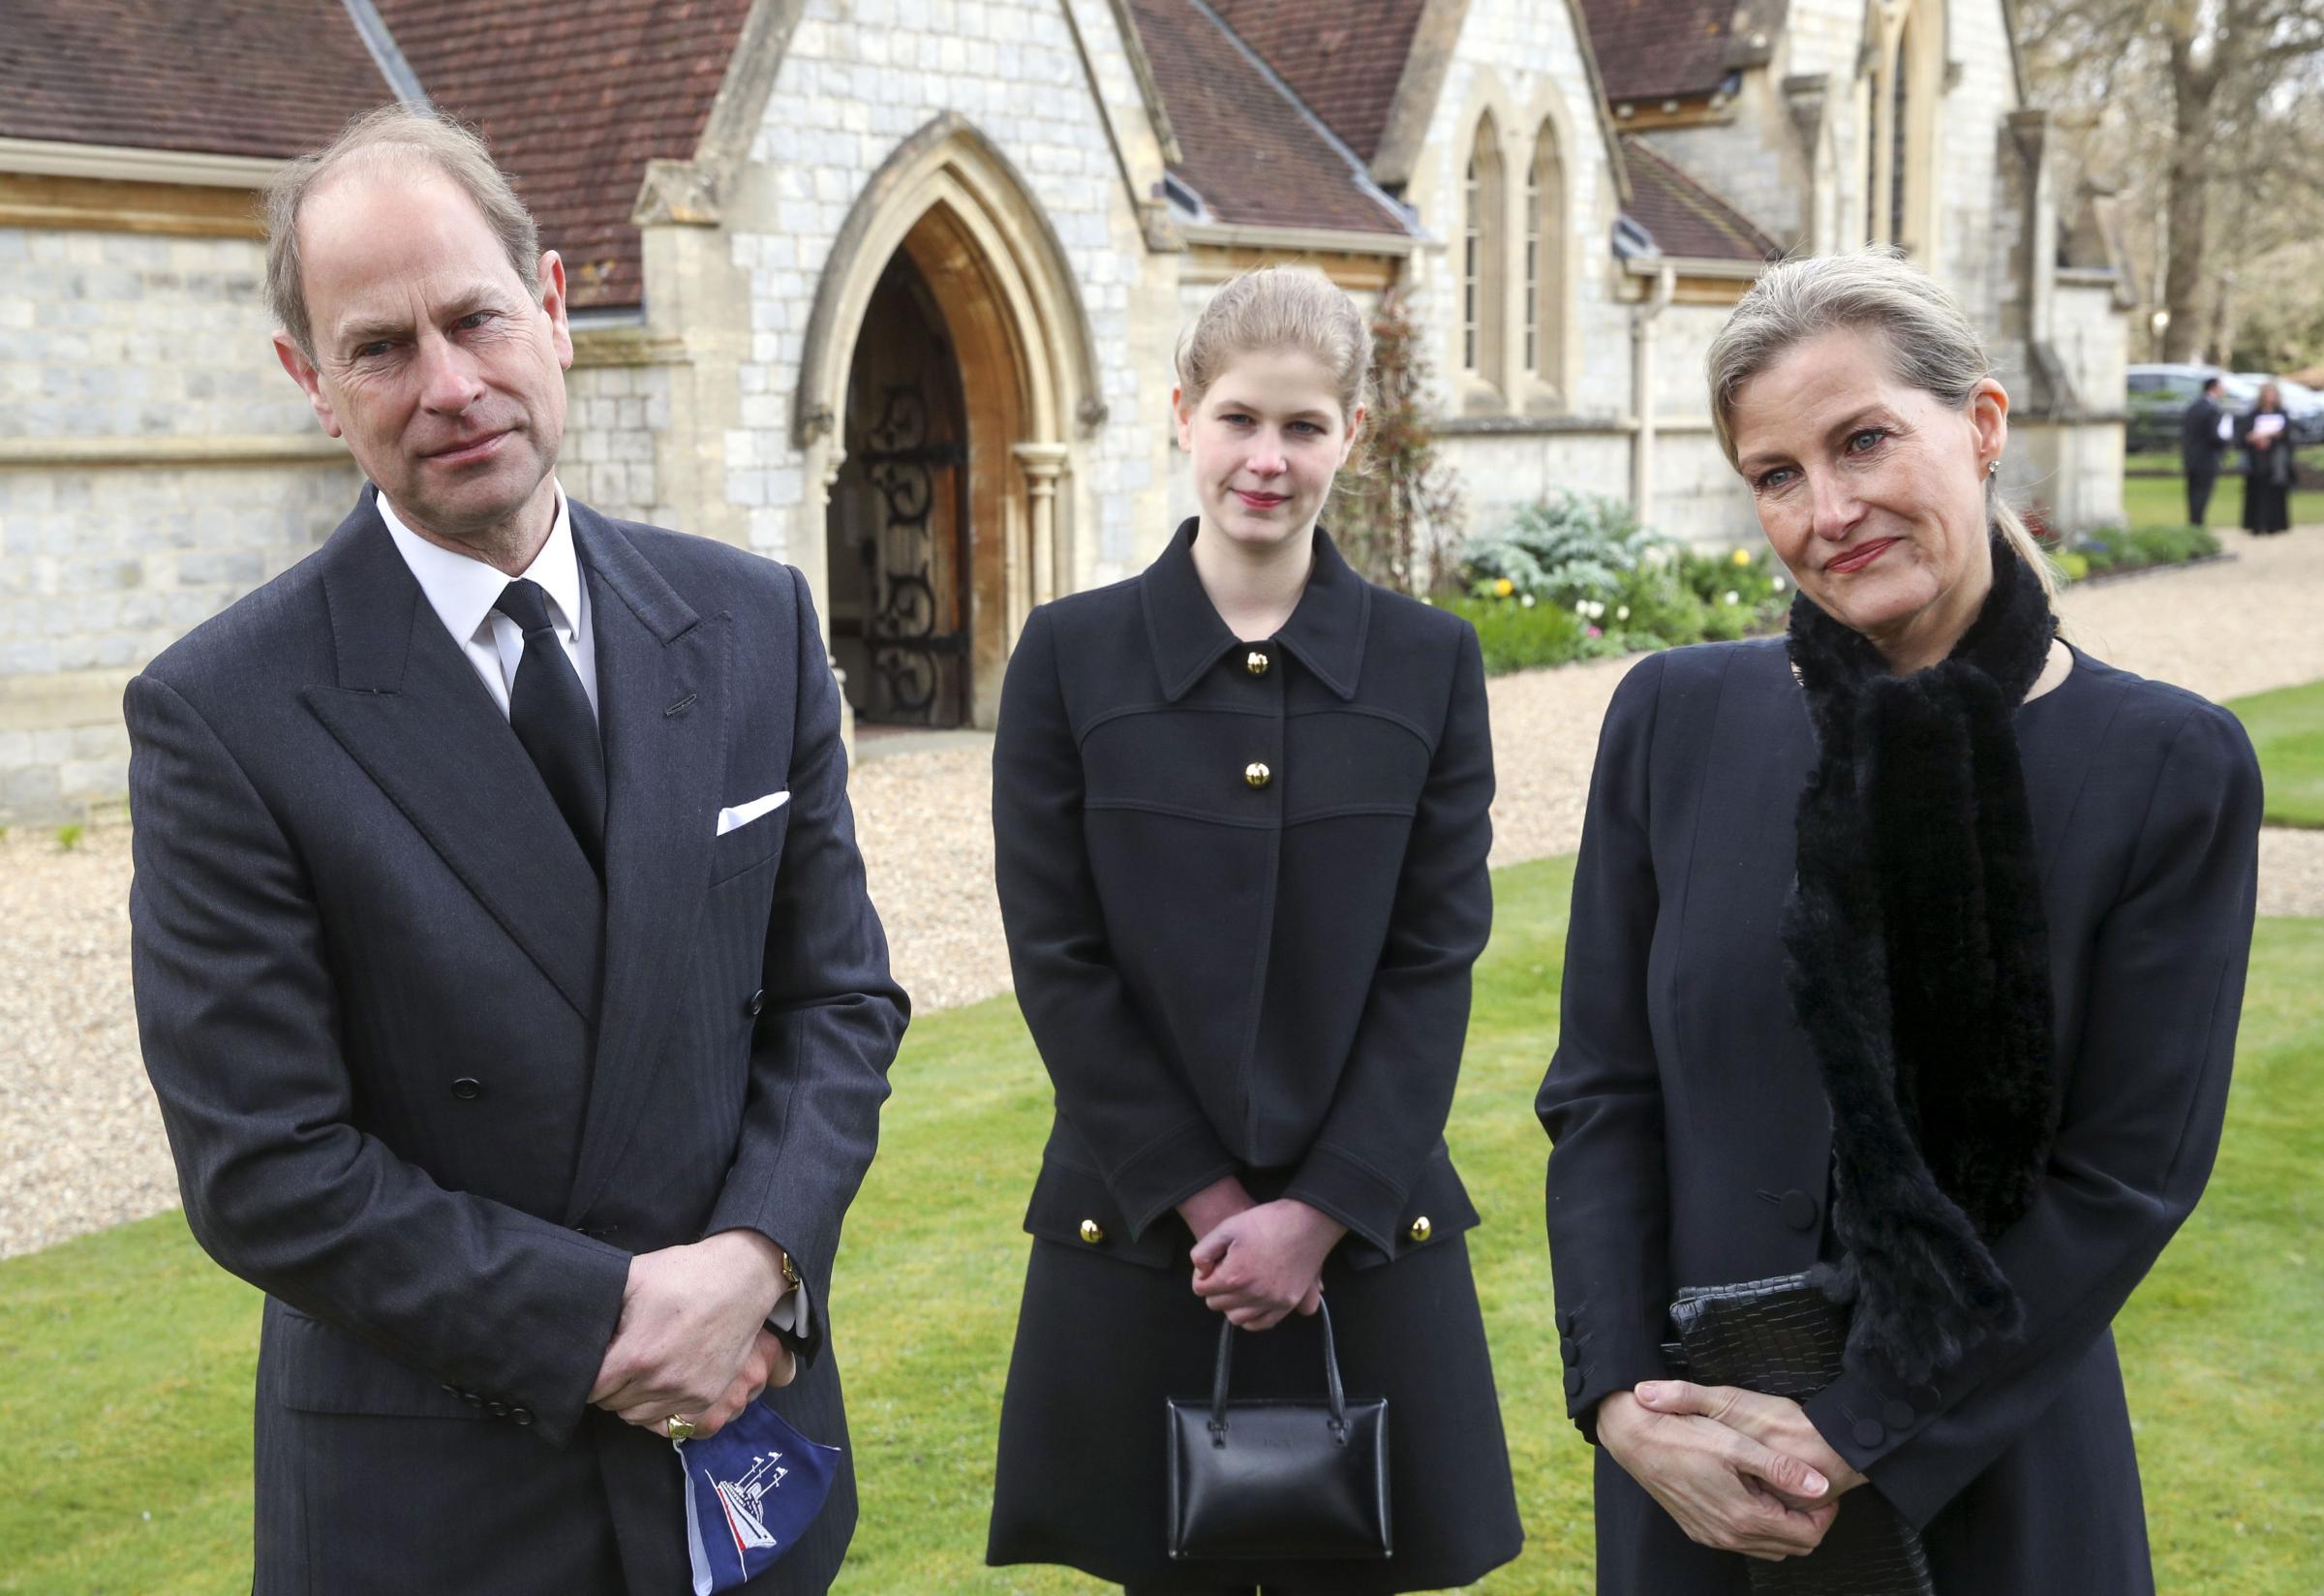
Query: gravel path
[[81, 1147]]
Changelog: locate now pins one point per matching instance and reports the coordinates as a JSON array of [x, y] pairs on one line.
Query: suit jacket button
[[522, 1415], [758, 1000], [467, 1089], [1799, 1210], [1565, 1323], [1422, 1229], [1869, 1433], [472, 1399], [498, 1410], [1567, 1350], [1897, 1414], [1572, 1382], [1256, 775], [1092, 1232], [1256, 661]]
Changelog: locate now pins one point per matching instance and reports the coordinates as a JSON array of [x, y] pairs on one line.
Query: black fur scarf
[[1919, 960]]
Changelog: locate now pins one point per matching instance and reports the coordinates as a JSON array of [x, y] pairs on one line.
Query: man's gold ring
[[680, 1429]]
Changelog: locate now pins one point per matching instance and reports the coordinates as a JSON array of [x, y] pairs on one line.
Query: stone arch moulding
[[1485, 388], [951, 163], [1549, 112], [956, 206]]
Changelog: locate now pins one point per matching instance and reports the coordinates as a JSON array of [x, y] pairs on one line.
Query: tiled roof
[[575, 96], [261, 78], [1656, 49], [1343, 57], [1248, 151], [1684, 217]]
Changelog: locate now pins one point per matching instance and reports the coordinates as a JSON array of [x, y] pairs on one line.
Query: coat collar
[[1325, 634]]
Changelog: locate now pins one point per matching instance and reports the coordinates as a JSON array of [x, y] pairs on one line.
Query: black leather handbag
[[1783, 1337], [1278, 1478]]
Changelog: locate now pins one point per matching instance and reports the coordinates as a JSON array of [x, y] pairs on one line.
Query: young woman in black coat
[[1240, 814], [1907, 952]]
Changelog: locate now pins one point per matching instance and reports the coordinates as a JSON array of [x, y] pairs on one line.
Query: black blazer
[[429, 1084], [1244, 886], [2199, 443], [1693, 1140]]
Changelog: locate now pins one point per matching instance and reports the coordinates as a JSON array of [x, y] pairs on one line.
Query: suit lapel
[[661, 702], [408, 709]]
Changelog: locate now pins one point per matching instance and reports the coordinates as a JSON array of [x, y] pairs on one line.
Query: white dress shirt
[[462, 590]]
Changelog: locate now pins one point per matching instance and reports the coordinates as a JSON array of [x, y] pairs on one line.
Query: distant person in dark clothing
[[2269, 465], [2204, 431]]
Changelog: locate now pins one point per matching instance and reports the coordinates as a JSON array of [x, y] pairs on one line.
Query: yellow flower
[[1504, 587], [1742, 557]]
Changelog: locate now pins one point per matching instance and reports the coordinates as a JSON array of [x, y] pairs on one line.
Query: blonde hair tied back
[[1272, 308], [1930, 342]]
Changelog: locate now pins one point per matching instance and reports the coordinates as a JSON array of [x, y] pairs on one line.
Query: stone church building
[[889, 288]]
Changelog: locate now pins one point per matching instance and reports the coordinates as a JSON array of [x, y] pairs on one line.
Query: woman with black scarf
[[1906, 958]]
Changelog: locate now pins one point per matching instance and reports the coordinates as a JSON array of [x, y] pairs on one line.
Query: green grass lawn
[[124, 1417], [2287, 729], [2161, 501]]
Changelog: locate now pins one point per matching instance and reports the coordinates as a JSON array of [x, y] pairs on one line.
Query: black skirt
[[2267, 503], [1103, 1343]]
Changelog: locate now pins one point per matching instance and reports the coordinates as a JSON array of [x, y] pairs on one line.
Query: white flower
[[1597, 610], [1732, 597], [1581, 607], [1781, 584], [1622, 614], [1527, 600]]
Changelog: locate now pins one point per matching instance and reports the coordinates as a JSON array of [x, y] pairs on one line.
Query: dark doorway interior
[[899, 556]]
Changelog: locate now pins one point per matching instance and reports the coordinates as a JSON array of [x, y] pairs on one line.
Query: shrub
[[2106, 551], [1519, 636], [1575, 548]]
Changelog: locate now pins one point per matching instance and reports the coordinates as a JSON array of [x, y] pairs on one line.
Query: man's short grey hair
[[393, 134]]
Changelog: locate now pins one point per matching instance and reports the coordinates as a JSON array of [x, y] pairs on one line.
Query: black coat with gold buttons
[[1243, 885]]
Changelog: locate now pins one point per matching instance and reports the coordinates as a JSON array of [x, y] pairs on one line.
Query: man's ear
[[551, 272], [286, 349]]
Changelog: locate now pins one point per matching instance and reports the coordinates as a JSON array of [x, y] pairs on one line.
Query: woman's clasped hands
[[1255, 1261], [1739, 1471]]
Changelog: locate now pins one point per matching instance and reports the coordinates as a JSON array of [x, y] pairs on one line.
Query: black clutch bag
[[1783, 1337], [1276, 1479]]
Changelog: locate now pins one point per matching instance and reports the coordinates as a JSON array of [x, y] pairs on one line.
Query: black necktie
[[551, 716]]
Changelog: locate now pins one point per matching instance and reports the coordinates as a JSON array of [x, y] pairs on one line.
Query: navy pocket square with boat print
[[752, 1489]]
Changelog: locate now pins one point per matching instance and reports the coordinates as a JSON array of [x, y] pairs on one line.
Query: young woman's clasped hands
[[1257, 1261]]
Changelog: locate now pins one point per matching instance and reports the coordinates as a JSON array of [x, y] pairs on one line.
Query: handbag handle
[[1337, 1394]]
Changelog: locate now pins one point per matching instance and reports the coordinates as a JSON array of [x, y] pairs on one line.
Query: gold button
[[1422, 1228], [1257, 774], [1092, 1232], [1255, 663]]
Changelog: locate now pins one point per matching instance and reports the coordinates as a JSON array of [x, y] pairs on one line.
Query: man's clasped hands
[[692, 1342], [1739, 1471]]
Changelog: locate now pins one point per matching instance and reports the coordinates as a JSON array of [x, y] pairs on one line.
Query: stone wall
[[858, 80], [155, 465], [614, 417]]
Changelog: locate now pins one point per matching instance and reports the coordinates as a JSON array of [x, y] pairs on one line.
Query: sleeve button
[[1868, 1434], [1898, 1414], [522, 1415], [467, 1089], [1572, 1382]]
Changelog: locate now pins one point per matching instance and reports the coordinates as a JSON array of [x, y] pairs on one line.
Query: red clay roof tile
[[259, 77], [1685, 217], [1343, 57], [1249, 152]]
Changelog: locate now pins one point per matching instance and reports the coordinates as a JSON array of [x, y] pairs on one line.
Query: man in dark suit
[[2202, 429], [504, 962]]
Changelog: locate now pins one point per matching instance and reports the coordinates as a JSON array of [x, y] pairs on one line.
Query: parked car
[[2158, 397], [2303, 405], [2160, 394]]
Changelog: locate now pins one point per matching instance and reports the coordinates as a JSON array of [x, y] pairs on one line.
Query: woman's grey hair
[[1929, 340], [1279, 308], [389, 136]]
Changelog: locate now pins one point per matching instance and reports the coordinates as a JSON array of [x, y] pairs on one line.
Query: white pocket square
[[742, 814]]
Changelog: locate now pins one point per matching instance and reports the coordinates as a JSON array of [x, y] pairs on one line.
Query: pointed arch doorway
[[946, 371]]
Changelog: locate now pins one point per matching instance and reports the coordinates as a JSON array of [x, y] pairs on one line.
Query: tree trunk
[[2194, 83]]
